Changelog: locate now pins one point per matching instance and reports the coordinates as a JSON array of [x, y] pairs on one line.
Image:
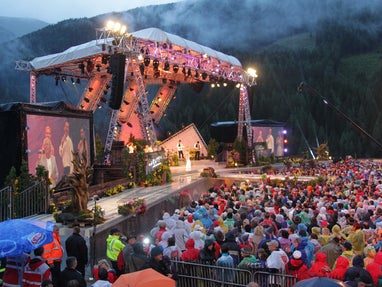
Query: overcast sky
[[53, 11]]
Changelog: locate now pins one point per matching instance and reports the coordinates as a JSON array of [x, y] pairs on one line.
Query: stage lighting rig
[[113, 38], [251, 76]]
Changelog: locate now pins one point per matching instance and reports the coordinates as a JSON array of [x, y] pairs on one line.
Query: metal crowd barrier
[[191, 274], [28, 202]]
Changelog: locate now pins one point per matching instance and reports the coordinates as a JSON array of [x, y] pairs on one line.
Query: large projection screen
[[62, 135], [273, 138]]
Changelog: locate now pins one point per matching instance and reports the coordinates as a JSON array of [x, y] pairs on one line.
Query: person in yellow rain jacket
[[114, 245], [53, 253]]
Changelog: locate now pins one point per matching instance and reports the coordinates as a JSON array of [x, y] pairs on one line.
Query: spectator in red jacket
[[296, 266], [375, 267], [191, 254], [341, 266], [320, 267], [111, 274]]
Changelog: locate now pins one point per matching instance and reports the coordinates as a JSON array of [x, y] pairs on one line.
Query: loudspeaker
[[117, 67]]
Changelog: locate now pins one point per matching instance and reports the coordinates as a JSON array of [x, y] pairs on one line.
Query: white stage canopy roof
[[91, 48]]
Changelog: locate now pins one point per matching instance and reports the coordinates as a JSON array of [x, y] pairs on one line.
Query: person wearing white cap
[[296, 266]]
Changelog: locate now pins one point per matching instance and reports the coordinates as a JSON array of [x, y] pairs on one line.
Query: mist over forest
[[333, 45]]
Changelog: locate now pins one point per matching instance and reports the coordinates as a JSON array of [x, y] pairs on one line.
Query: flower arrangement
[[136, 206], [114, 190]]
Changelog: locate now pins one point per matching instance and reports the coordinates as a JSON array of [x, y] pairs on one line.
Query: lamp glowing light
[[252, 72]]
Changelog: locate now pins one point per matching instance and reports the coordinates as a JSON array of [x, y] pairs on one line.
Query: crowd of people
[[329, 227]]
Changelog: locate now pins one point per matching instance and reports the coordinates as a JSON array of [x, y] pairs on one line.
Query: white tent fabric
[[157, 35], [76, 52], [151, 34]]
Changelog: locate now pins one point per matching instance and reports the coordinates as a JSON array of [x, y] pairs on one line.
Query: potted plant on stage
[[135, 206]]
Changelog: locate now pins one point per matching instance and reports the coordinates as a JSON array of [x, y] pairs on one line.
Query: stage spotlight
[[142, 68], [89, 66], [166, 66], [105, 59], [175, 68], [156, 64], [81, 66], [146, 61]]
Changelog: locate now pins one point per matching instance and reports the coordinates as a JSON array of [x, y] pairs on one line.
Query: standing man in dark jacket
[[75, 246], [156, 262], [70, 273]]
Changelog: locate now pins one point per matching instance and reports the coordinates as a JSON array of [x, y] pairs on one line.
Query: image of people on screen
[[279, 144], [260, 137], [48, 135], [66, 150], [83, 147], [270, 141], [48, 161]]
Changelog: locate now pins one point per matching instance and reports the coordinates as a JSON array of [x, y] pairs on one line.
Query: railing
[[33, 200], [203, 275], [5, 203]]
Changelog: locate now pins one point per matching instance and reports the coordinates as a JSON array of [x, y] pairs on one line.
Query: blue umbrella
[[23, 235], [320, 282]]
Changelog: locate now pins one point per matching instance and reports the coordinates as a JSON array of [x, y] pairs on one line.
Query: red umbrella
[[144, 278]]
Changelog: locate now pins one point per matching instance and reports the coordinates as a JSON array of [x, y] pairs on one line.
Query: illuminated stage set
[[125, 63]]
